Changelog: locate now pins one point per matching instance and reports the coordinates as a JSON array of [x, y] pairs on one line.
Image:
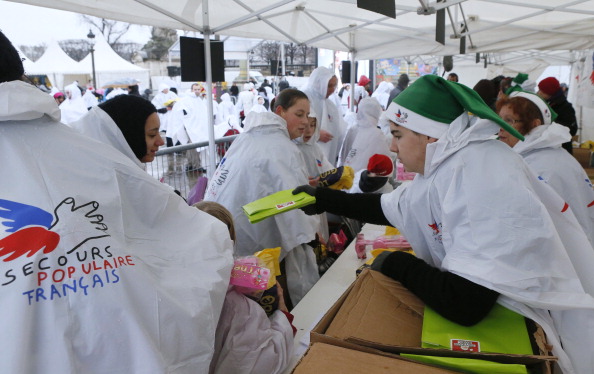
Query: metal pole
[[209, 104], [93, 67], [282, 48]]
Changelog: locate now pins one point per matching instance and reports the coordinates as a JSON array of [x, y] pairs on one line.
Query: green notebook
[[279, 202], [468, 365], [501, 331]]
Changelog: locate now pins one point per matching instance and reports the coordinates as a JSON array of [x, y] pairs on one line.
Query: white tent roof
[[489, 25], [55, 61], [107, 60], [27, 63]]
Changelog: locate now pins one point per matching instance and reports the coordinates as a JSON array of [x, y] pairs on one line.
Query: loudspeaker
[[192, 60], [385, 7], [345, 74], [448, 63], [274, 67]]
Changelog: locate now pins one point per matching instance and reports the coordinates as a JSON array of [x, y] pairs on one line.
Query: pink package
[[402, 175], [247, 274]]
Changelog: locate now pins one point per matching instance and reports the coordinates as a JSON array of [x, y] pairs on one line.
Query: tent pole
[[353, 71], [209, 100]]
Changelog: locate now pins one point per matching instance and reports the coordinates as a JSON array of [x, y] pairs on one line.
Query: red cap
[[549, 85], [381, 165], [363, 81], [58, 94]]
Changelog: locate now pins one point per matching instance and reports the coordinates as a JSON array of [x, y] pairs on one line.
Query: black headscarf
[[11, 65], [130, 114]]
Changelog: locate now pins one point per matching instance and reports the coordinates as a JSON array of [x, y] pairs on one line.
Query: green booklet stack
[[279, 202]]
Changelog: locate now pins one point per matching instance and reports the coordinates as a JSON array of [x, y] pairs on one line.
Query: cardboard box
[[379, 313], [331, 359], [584, 156]]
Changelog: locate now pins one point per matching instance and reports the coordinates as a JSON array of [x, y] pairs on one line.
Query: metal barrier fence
[[182, 165]]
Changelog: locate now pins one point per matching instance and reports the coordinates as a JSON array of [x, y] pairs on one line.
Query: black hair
[[288, 97], [11, 65], [130, 114]]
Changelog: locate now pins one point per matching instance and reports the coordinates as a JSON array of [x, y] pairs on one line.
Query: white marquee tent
[[109, 66], [512, 27], [58, 66]]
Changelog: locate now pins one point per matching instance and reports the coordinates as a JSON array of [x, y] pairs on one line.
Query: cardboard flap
[[381, 310], [328, 359]]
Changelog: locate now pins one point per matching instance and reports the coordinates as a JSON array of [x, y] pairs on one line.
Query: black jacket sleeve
[[360, 206], [450, 295]]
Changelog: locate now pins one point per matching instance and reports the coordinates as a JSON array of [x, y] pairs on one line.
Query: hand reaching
[[325, 136], [310, 210]]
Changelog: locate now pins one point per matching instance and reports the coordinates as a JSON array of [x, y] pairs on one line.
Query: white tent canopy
[[489, 25], [110, 66], [58, 66]]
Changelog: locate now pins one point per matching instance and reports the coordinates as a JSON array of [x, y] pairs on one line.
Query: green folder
[[501, 331], [468, 365], [279, 202]]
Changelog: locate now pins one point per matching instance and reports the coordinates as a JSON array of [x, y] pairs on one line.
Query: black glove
[[379, 260], [310, 210], [305, 188]]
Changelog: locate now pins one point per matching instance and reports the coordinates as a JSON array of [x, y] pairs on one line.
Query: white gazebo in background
[[59, 67], [109, 66]]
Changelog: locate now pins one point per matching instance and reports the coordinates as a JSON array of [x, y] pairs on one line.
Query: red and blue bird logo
[[26, 229]]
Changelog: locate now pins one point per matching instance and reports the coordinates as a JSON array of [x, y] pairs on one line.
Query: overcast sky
[[30, 25]]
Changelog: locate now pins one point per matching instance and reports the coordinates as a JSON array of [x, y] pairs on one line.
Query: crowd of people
[[108, 270]]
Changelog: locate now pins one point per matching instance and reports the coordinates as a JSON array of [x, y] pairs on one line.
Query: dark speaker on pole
[[193, 61], [448, 63], [274, 67], [345, 72]]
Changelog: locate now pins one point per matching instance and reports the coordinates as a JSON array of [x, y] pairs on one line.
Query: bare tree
[[33, 52], [110, 29], [269, 50], [161, 40], [127, 50], [291, 51], [77, 49]]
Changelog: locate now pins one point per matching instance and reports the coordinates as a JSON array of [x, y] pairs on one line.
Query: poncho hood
[[544, 136], [258, 120], [20, 101], [464, 130], [98, 125]]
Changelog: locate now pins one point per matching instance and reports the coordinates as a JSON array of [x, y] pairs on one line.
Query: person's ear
[[279, 110], [535, 123]]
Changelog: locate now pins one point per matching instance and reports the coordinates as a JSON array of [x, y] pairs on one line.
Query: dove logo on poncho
[[29, 237]]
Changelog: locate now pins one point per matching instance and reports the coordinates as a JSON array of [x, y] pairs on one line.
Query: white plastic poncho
[[73, 107], [542, 151], [479, 212], [316, 163], [364, 139], [128, 271], [382, 93], [329, 118], [98, 125], [226, 111], [261, 161], [162, 97], [250, 342]]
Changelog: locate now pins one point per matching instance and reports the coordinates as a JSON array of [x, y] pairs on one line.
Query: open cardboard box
[[354, 359], [583, 156], [380, 313]]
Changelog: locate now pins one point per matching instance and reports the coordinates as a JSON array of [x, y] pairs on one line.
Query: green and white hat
[[548, 114], [431, 103]]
